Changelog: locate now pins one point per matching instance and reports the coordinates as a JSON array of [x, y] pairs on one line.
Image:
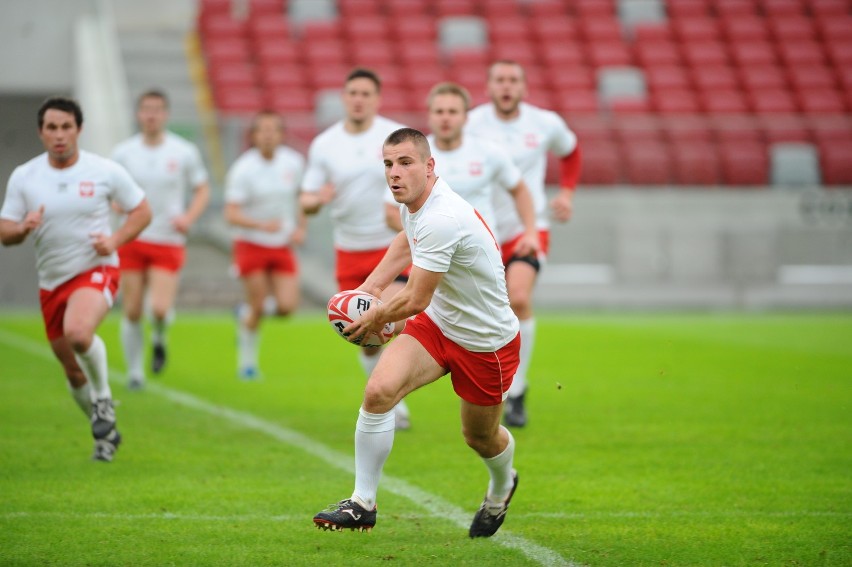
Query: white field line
[[437, 507]]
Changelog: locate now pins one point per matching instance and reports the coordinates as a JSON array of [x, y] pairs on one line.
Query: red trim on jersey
[[569, 170]]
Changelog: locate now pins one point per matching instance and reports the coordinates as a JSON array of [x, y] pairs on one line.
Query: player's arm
[[137, 219], [235, 216], [395, 260], [411, 300], [529, 244], [392, 217], [312, 202], [200, 199], [13, 232], [569, 175]]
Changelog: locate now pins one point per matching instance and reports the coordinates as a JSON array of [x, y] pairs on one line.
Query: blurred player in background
[[461, 324], [526, 133], [344, 171], [262, 203], [63, 197], [169, 169], [474, 167]]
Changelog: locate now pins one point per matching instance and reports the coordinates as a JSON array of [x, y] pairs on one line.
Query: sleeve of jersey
[[315, 176], [509, 175], [197, 171], [434, 243], [125, 190], [235, 190], [569, 169], [14, 206]]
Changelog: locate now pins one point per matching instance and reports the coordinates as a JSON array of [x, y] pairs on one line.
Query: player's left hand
[[368, 323], [298, 236], [104, 245], [562, 205], [181, 224], [528, 245]]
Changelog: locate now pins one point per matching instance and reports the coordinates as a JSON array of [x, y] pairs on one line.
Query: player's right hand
[[270, 226], [33, 220]]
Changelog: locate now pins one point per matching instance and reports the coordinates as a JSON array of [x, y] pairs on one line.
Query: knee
[[75, 376], [378, 398], [520, 301], [78, 337], [477, 440]]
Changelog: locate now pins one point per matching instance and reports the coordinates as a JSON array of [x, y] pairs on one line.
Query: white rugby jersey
[[471, 304], [168, 173], [266, 190], [76, 204], [353, 164], [527, 139]]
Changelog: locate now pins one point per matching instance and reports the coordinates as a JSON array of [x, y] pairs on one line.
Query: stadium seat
[[235, 75], [358, 8], [664, 78], [562, 55], [753, 53], [808, 77], [239, 100], [414, 28], [508, 30], [656, 53], [744, 163], [840, 52], [269, 29], [503, 9], [821, 101], [522, 53], [372, 54], [695, 163], [325, 54], [647, 164], [823, 8], [594, 8], [736, 129], [601, 164], [714, 78], [772, 101], [801, 53], [472, 56], [659, 31], [321, 30], [278, 52], [638, 105], [637, 129], [692, 29], [698, 53], [608, 54], [224, 51], [328, 77], [282, 76], [621, 82], [735, 8], [222, 27], [782, 7], [454, 8], [791, 28], [834, 27], [636, 12], [600, 29], [365, 28], [728, 101], [674, 101], [687, 8], [691, 128], [289, 100], [419, 53], [576, 100], [265, 8], [590, 128], [744, 28], [759, 78], [784, 128], [835, 164]]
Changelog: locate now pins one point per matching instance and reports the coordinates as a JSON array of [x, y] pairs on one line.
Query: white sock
[[369, 363], [373, 442], [159, 328], [133, 344], [83, 397], [94, 365], [247, 347], [519, 383], [500, 469]]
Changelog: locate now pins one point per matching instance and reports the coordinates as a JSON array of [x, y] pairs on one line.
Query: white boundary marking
[[437, 506]]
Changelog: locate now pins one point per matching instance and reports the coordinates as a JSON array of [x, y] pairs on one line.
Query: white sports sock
[[519, 384], [133, 344], [247, 347], [159, 328], [369, 363], [500, 469], [373, 442], [94, 365], [83, 397]]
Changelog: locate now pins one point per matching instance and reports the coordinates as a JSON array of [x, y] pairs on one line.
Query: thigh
[[285, 288], [132, 293], [86, 308], [256, 288], [163, 287], [405, 366]]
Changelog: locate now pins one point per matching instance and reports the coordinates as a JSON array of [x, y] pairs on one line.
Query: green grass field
[[690, 439]]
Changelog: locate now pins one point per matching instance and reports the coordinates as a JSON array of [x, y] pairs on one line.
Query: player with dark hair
[[168, 168], [261, 203], [63, 198], [344, 172], [461, 323], [527, 133]]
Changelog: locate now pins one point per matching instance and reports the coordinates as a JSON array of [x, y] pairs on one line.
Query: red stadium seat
[[811, 77], [652, 31], [753, 53], [773, 102], [700, 53], [637, 129], [737, 129], [326, 53], [647, 164], [356, 8], [714, 78], [744, 28], [415, 54], [782, 7], [665, 78], [744, 163], [223, 51], [522, 53], [289, 100], [282, 76], [321, 30], [631, 105], [572, 78], [372, 54], [239, 101], [829, 7], [686, 128], [674, 101], [562, 54], [840, 52], [415, 28], [835, 27], [572, 101], [687, 8], [508, 30], [729, 101], [835, 163], [365, 28], [735, 8], [445, 8], [279, 52], [553, 30], [784, 128], [328, 77], [469, 56], [696, 164], [590, 128], [600, 29], [656, 53], [546, 9], [269, 29], [792, 28], [609, 54], [760, 78], [235, 75], [688, 30], [801, 53], [265, 8], [594, 8], [222, 27], [502, 9], [601, 164], [821, 101]]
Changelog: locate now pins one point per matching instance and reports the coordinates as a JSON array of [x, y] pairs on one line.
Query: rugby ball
[[347, 306]]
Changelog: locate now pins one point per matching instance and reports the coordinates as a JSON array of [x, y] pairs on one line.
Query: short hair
[[263, 113], [63, 103], [417, 137], [153, 93], [449, 88], [364, 73], [507, 62]]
